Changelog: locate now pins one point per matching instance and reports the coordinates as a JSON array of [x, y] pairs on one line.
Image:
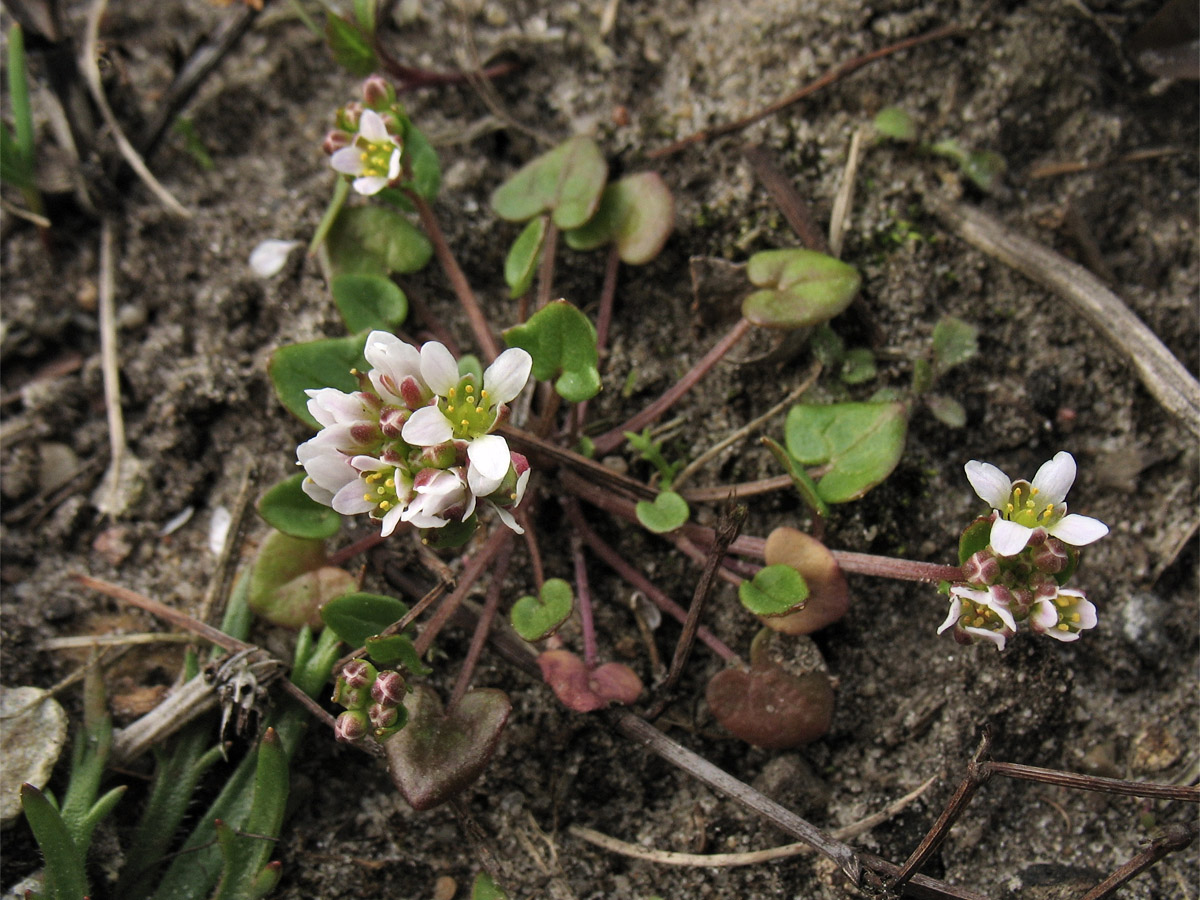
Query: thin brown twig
[[831, 77], [1176, 837], [795, 211], [475, 567], [482, 627]]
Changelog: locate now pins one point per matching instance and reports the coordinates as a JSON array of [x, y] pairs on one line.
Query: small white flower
[[396, 370], [381, 489], [1025, 507], [269, 257], [438, 495], [978, 614], [373, 157], [1062, 617]]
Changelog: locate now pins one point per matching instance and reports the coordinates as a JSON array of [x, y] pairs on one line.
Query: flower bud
[[389, 689], [981, 568], [377, 93], [348, 117], [383, 717], [354, 684], [392, 419], [335, 140], [351, 726], [1050, 557]]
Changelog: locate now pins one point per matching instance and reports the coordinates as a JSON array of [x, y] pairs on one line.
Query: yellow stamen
[[1062, 601], [449, 409], [368, 498], [385, 505], [380, 491], [391, 482], [470, 388], [465, 423], [1064, 627], [479, 409], [483, 395], [451, 394], [1074, 617]]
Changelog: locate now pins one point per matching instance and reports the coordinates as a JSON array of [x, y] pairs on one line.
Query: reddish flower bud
[[335, 141], [377, 93], [389, 688], [351, 726]]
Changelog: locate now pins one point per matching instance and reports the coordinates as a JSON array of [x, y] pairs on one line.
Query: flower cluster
[[414, 443], [373, 702], [367, 143], [1018, 576]]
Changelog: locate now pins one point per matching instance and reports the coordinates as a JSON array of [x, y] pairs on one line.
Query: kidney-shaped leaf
[[295, 368], [771, 708], [858, 443], [800, 288], [369, 302], [583, 689], [565, 182], [668, 511], [828, 594], [774, 591], [288, 509], [562, 343], [358, 615], [375, 240], [637, 212], [536, 618]]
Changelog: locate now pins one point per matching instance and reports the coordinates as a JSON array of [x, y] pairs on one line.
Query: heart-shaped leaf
[[954, 343], [637, 212], [585, 690], [374, 240], [828, 594], [562, 343], [771, 708], [369, 302], [438, 754], [666, 513], [288, 509], [774, 591], [357, 616], [565, 182], [298, 602], [523, 258], [282, 559], [859, 443], [536, 618], [800, 288], [295, 368]]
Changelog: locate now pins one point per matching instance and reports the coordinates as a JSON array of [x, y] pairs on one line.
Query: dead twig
[[1162, 374]]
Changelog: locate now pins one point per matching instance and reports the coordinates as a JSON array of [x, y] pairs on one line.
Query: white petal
[[522, 483], [992, 485], [270, 256], [349, 500], [1083, 606], [507, 518], [489, 454], [1055, 478], [1003, 613], [996, 637], [505, 377], [369, 185], [391, 520], [427, 427], [1077, 530], [1064, 636], [955, 613], [348, 161], [316, 492], [392, 358], [438, 367], [372, 127], [394, 165], [1009, 538], [1044, 616]]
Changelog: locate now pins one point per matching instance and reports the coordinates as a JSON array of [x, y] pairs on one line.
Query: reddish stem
[[458, 281], [483, 627], [611, 440], [583, 590], [495, 542], [608, 295], [639, 581], [362, 545]]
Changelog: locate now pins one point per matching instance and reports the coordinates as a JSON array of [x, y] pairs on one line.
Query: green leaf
[[452, 534], [975, 537], [800, 288], [947, 410], [858, 366], [66, 878], [485, 888], [523, 258], [536, 618], [774, 591], [562, 343], [827, 346], [369, 302], [288, 509], [922, 376], [295, 368], [637, 213], [804, 484], [984, 168], [244, 855], [565, 182], [290, 580], [895, 123], [357, 616], [666, 513], [859, 443], [375, 240], [396, 649], [954, 343], [351, 49], [423, 160]]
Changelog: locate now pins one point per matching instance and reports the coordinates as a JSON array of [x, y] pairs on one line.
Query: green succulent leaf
[[369, 302], [666, 513], [799, 288], [66, 878], [954, 343], [375, 240], [357, 616], [859, 444], [637, 213], [562, 343], [536, 618], [523, 258], [774, 591], [975, 537], [288, 509], [295, 368], [565, 182]]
